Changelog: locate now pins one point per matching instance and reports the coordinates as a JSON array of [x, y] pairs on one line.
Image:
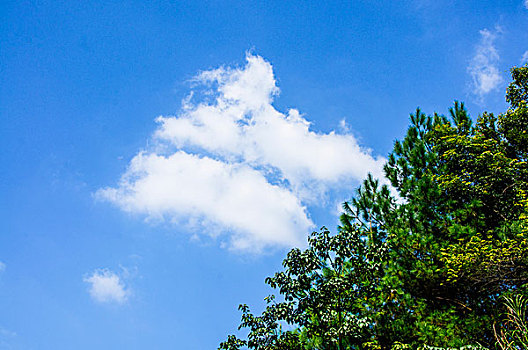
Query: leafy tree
[[427, 269]]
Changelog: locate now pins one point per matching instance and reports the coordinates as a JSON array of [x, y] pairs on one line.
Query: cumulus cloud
[[231, 160], [106, 287], [483, 68], [234, 196]]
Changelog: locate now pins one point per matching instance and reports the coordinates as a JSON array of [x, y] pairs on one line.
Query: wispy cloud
[[106, 287], [6, 333], [524, 58], [232, 161], [526, 3], [2, 267], [483, 68], [6, 338]]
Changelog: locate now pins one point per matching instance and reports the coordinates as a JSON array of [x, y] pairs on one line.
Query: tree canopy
[[427, 267]]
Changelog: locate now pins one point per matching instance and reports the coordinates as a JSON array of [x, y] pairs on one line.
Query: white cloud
[[526, 3], [230, 159], [234, 196], [106, 287], [2, 267], [483, 68], [242, 124], [524, 58]]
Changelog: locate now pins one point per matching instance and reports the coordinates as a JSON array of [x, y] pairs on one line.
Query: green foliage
[[426, 269], [320, 295]]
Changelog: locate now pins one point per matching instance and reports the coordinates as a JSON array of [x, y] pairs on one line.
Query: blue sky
[[159, 159]]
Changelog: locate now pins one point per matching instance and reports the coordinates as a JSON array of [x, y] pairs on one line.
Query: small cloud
[[483, 68], [526, 3], [2, 267], [524, 58], [107, 287]]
